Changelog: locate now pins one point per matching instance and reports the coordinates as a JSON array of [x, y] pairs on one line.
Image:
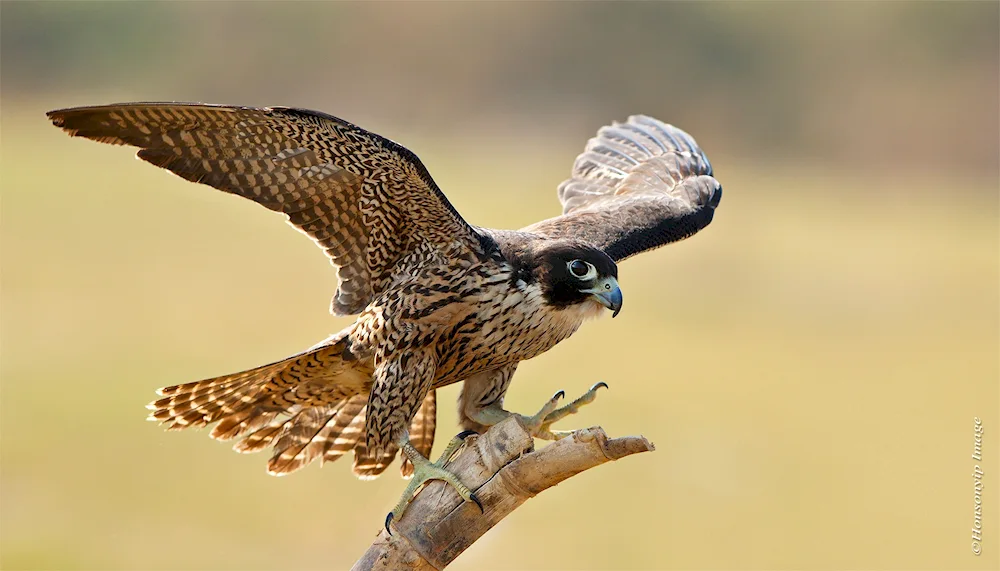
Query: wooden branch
[[503, 469]]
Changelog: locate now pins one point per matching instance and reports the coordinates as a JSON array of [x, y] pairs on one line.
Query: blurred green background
[[809, 367]]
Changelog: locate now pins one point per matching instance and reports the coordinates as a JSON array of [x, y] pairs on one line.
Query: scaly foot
[[539, 424], [424, 470]]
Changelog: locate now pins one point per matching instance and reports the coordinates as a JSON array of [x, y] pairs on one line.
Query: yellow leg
[[424, 470]]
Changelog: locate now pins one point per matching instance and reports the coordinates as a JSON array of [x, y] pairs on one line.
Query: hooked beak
[[608, 294]]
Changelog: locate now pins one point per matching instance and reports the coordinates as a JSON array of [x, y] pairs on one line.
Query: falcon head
[[573, 274]]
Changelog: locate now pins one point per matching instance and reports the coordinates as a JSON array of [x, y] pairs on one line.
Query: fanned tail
[[317, 433], [331, 432], [307, 407]]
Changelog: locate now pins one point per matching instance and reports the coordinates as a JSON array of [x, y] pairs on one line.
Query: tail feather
[[200, 403], [203, 392], [299, 441], [199, 387], [368, 466], [287, 404], [260, 432], [229, 427], [207, 395], [326, 434], [347, 428], [178, 407], [307, 407], [247, 420]]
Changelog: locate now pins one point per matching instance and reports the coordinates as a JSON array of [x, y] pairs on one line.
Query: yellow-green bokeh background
[[809, 367]]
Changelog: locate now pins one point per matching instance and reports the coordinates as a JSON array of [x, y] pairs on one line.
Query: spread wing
[[365, 200], [637, 186]]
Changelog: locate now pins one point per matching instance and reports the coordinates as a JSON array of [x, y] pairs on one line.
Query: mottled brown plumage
[[438, 301]]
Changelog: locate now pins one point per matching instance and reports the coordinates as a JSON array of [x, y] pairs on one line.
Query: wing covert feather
[[638, 185]]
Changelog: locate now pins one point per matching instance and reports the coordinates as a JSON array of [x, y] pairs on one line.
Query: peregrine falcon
[[438, 300]]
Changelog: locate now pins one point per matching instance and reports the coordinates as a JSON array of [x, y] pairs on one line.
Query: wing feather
[[365, 200], [638, 185]]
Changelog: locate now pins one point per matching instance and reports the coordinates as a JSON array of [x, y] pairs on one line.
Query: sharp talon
[[478, 503], [388, 520], [559, 395], [599, 385], [465, 434]]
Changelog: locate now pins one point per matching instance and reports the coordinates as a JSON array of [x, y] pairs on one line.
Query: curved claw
[[559, 395], [465, 434], [478, 503], [599, 385], [388, 520]]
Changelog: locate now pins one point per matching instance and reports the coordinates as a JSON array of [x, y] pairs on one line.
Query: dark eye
[[579, 268]]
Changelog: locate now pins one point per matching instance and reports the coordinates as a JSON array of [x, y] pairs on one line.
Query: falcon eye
[[582, 270]]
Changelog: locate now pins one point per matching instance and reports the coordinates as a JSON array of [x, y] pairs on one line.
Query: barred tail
[[327, 433], [307, 407], [201, 403]]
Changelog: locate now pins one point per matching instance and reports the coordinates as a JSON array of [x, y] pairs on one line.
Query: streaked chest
[[509, 322]]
